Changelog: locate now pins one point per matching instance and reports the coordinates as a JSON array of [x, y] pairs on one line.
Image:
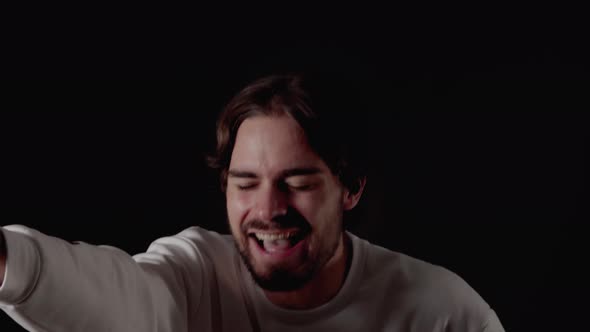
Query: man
[[290, 174]]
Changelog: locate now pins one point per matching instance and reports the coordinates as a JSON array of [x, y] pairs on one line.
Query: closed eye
[[246, 186], [301, 182], [301, 187]]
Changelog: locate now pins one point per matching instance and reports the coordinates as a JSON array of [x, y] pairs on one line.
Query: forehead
[[272, 144]]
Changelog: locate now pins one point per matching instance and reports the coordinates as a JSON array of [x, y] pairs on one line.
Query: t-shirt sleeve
[[493, 323], [53, 285]]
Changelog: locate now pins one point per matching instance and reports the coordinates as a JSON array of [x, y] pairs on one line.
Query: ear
[[351, 199]]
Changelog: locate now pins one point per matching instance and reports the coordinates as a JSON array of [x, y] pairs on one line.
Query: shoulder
[[194, 244], [428, 292], [206, 238], [416, 276], [195, 239]]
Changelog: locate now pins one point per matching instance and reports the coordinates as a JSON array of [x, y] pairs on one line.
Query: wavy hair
[[325, 108]]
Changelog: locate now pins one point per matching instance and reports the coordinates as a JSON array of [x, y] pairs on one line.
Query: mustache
[[277, 224]]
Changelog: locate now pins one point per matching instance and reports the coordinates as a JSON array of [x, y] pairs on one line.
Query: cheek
[[306, 206], [316, 208], [237, 207]]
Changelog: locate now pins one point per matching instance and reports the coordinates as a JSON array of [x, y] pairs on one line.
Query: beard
[[281, 277], [277, 279]]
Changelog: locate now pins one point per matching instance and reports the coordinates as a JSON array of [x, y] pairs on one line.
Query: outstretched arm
[[2, 258], [53, 285]]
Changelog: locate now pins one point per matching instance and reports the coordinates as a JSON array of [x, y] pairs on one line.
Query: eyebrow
[[240, 174], [236, 173]]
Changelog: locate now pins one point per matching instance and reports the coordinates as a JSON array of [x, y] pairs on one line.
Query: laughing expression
[[284, 204]]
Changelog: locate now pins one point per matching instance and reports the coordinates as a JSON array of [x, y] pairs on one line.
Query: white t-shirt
[[196, 281]]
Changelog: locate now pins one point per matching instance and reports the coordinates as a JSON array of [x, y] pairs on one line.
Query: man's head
[[289, 168]]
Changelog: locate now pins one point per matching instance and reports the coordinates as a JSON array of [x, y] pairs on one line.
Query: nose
[[271, 202]]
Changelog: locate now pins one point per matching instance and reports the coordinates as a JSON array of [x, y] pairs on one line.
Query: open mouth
[[277, 241]]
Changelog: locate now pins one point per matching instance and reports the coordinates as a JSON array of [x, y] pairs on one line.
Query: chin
[[280, 280], [276, 278]]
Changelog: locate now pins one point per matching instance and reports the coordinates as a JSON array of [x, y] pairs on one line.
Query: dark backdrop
[[479, 132]]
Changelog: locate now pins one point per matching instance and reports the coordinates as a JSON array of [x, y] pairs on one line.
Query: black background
[[478, 115]]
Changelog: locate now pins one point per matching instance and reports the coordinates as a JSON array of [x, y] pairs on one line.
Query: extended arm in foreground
[[52, 285], [2, 258]]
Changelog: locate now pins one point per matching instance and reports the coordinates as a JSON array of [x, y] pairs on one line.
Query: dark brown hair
[[323, 107]]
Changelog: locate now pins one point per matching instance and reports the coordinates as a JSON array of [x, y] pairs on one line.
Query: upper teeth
[[275, 236]]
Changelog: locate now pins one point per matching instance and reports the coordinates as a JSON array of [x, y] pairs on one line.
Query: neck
[[323, 287]]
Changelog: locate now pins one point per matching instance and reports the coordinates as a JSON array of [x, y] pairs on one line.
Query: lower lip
[[279, 254]]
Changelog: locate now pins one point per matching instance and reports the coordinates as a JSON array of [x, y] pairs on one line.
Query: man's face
[[284, 204]]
